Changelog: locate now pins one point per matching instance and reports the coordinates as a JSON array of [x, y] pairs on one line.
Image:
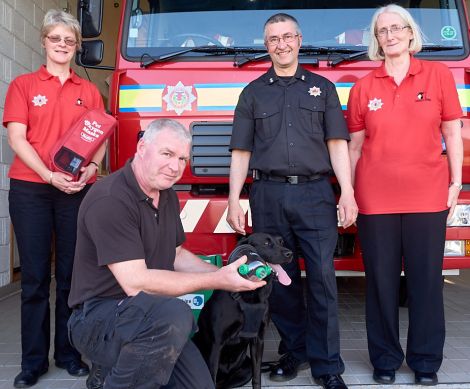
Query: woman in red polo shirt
[[39, 108], [397, 115]]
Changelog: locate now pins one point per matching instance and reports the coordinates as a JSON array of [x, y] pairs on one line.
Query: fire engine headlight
[[461, 216], [454, 248]]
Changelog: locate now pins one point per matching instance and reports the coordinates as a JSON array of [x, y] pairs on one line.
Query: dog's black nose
[[288, 254]]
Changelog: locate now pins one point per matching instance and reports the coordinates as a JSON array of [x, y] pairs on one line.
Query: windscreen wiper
[[346, 55], [147, 59], [354, 54], [307, 50], [304, 50], [431, 48]]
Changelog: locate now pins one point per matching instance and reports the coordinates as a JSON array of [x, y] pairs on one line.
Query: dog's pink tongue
[[282, 276]]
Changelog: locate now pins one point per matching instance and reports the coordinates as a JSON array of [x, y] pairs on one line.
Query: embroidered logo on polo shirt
[[314, 91], [422, 96], [375, 104], [39, 100]]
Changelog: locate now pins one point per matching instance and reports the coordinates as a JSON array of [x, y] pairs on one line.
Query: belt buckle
[[293, 180]]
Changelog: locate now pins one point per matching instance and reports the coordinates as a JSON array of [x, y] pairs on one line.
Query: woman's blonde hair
[[55, 17], [375, 51]]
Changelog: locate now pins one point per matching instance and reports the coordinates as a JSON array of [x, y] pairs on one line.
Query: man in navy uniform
[[290, 130]]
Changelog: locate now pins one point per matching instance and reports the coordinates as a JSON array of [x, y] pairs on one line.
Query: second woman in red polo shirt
[[397, 117]]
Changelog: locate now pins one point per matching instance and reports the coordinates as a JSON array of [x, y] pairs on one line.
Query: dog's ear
[[243, 241]]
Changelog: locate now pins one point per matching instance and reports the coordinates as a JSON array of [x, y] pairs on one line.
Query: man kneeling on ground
[[130, 265]]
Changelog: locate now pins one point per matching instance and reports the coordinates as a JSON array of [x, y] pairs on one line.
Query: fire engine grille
[[209, 154]]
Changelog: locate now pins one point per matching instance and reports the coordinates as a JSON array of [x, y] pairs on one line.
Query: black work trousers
[[305, 216], [141, 342], [39, 211], [416, 242]]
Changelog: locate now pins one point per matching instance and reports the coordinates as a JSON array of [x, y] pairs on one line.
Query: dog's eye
[[269, 243]]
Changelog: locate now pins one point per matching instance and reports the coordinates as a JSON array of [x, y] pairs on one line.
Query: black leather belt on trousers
[[293, 180]]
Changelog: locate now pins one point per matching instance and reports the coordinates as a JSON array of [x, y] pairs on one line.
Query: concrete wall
[[20, 52]]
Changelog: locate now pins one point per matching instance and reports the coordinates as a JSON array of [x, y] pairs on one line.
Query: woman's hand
[[65, 183], [452, 197], [86, 172]]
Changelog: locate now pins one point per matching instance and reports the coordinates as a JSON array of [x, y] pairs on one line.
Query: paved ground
[[455, 371]]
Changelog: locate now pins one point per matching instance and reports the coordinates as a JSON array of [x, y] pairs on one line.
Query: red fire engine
[[189, 60]]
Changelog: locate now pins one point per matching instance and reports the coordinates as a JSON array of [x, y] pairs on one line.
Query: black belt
[[293, 180]]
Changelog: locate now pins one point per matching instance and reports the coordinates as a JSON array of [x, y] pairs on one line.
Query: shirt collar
[[271, 77], [415, 68], [137, 190], [44, 75]]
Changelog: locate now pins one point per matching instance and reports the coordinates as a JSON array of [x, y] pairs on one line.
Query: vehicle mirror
[[90, 16], [91, 53]]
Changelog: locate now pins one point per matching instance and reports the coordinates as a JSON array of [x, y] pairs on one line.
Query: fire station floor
[[454, 373]]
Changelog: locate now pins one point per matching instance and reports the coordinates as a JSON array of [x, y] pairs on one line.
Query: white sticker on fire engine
[[191, 213], [179, 98], [448, 32]]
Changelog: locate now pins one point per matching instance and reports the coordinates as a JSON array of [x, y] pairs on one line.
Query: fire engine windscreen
[[159, 28]]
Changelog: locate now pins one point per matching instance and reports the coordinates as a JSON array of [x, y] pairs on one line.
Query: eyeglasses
[[393, 30], [58, 38], [275, 40]]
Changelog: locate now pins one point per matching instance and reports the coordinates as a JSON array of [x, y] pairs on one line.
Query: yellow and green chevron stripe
[[223, 96]]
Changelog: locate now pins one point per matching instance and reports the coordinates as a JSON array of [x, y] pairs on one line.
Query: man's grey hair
[[282, 17], [160, 125], [55, 17]]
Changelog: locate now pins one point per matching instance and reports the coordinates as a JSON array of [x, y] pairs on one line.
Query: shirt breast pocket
[[267, 120], [312, 115]]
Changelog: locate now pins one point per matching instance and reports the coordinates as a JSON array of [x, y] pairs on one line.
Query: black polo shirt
[[285, 123], [117, 222]]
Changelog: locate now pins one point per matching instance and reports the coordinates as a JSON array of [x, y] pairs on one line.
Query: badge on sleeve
[[39, 100], [375, 104], [314, 91]]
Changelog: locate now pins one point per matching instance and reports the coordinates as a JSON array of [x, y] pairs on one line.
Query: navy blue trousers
[[305, 216], [141, 342], [416, 242], [39, 211]]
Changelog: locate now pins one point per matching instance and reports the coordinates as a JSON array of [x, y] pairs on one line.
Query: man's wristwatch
[[457, 184]]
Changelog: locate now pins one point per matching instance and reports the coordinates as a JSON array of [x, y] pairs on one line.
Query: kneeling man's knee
[[178, 317]]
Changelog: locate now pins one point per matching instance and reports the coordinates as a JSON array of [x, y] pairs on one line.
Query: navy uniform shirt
[[285, 124]]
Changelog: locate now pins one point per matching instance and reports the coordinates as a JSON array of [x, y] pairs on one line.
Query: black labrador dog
[[230, 322]]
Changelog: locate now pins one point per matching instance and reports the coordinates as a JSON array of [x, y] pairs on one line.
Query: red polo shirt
[[401, 169], [48, 109]]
